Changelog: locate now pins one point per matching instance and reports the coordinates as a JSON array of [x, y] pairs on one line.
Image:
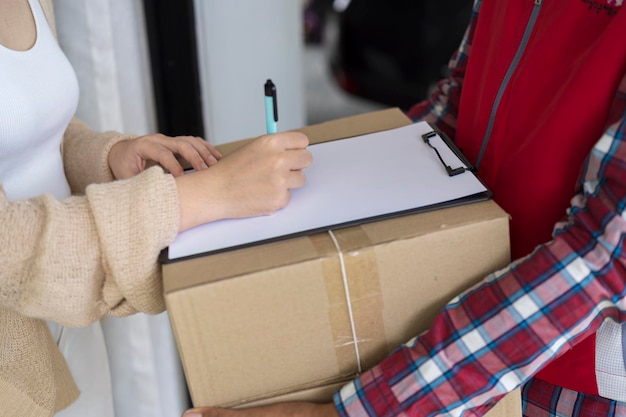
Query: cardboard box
[[272, 322]]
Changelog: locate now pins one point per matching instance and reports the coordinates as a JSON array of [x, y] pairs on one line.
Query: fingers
[[168, 161], [288, 149], [302, 158], [287, 141], [296, 140], [198, 152], [162, 149], [295, 179], [294, 158], [254, 180]]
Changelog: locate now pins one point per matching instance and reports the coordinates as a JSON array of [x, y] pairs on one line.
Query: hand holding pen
[[254, 180]]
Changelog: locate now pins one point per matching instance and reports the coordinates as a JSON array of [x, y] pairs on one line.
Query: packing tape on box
[[349, 262], [354, 287], [346, 287]]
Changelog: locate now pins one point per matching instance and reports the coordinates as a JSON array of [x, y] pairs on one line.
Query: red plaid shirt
[[496, 336]]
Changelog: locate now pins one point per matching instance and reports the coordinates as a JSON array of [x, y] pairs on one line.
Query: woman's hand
[[129, 158], [251, 181]]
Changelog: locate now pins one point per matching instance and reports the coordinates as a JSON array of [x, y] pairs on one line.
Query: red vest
[[532, 106]]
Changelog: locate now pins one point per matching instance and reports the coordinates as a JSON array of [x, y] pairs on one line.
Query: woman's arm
[[74, 260], [85, 155], [90, 157]]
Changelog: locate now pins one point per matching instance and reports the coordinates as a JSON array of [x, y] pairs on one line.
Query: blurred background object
[[391, 52]]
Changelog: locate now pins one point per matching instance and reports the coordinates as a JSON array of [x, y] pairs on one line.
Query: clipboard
[[352, 181]]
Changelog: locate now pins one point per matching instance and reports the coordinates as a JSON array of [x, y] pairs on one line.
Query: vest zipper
[[507, 78]]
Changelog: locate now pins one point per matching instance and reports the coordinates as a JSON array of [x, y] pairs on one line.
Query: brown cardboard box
[[271, 322]]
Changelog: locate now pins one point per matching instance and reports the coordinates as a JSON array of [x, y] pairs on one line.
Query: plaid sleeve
[[441, 108], [495, 336]]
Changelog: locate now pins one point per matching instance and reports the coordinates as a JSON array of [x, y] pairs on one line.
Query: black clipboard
[[435, 149]]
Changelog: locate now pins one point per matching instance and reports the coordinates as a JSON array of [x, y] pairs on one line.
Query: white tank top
[[39, 96]]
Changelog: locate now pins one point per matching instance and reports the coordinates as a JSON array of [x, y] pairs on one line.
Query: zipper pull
[[538, 2]]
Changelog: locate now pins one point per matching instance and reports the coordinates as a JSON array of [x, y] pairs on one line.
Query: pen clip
[[270, 91]]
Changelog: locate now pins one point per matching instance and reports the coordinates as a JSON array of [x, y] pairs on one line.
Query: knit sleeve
[[75, 260], [85, 155]]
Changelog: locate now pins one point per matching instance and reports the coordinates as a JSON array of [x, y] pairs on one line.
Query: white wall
[[242, 43]]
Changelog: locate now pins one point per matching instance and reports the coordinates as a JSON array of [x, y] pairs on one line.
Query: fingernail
[[192, 413]]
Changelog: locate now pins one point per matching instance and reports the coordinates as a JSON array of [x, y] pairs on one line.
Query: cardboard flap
[[342, 128], [361, 124], [241, 262], [411, 226]]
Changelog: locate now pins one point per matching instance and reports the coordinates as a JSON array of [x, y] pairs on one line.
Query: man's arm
[[494, 337]]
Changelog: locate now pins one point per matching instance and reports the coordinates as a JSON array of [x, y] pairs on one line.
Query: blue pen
[[271, 107]]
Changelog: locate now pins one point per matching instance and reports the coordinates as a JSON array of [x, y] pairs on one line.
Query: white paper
[[350, 179]]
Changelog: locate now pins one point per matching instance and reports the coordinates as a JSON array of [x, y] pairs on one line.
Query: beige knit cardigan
[[74, 261]]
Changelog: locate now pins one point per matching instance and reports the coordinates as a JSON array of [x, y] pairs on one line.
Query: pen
[[271, 107]]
